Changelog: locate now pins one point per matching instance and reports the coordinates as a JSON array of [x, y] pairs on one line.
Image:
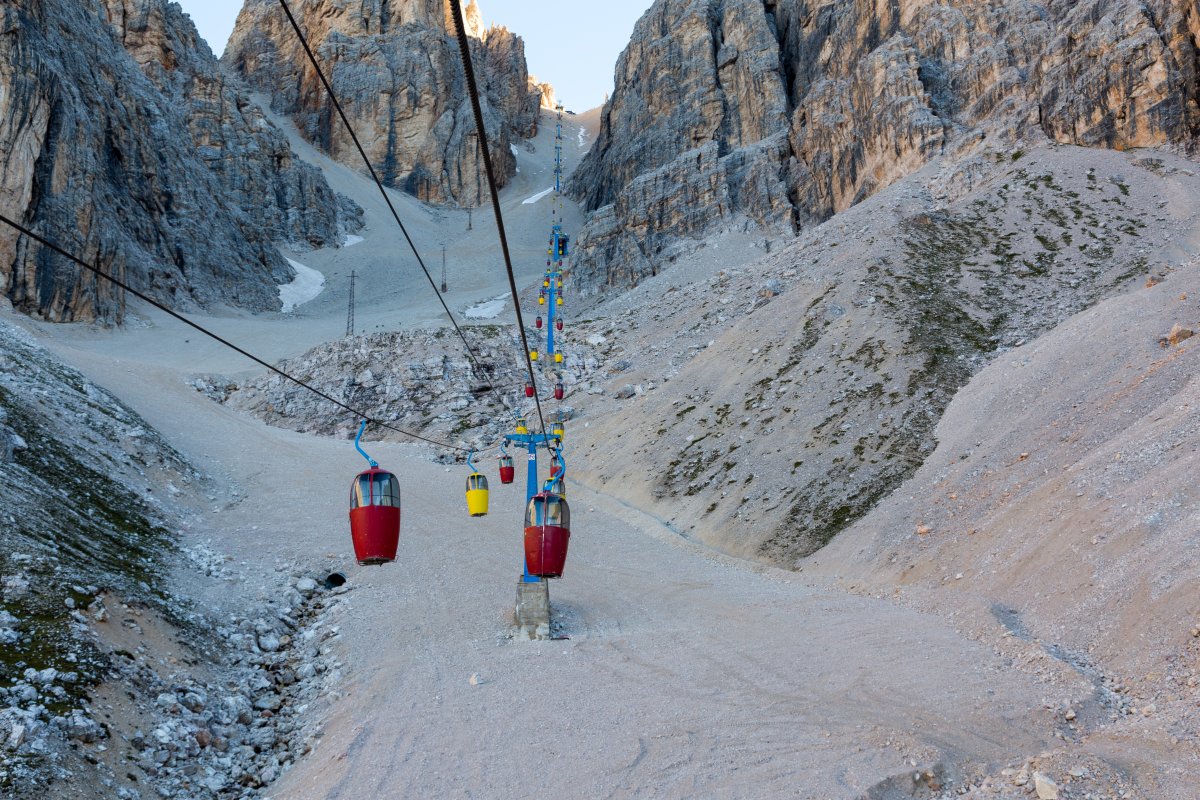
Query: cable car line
[[547, 514], [145, 298], [375, 499], [483, 374], [464, 47], [375, 176]]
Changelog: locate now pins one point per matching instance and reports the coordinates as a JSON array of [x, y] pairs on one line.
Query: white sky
[[574, 44]]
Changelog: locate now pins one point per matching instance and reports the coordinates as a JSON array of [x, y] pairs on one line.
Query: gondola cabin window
[[548, 509], [380, 489], [360, 495], [557, 514], [386, 491]]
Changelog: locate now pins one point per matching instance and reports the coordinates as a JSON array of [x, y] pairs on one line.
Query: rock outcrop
[[545, 92], [416, 380], [395, 67], [121, 140], [784, 112]]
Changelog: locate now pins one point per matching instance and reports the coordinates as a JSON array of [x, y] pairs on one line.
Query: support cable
[[379, 183], [464, 47], [147, 299]]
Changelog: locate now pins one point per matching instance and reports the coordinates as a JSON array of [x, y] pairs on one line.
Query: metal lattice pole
[[350, 310]]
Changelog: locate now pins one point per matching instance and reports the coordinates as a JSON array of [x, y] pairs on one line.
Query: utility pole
[[443, 269], [350, 311], [468, 219]]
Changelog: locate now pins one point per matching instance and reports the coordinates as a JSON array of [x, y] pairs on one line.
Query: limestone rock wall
[[121, 140], [864, 92], [290, 200], [395, 67]]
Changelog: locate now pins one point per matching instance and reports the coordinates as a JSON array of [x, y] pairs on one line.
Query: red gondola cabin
[[508, 471], [539, 323], [558, 323], [375, 516], [547, 534], [559, 391], [529, 390]]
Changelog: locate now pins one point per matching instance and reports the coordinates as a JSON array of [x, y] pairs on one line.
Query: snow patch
[[307, 284], [489, 309], [352, 240], [582, 136], [530, 200], [515, 152]]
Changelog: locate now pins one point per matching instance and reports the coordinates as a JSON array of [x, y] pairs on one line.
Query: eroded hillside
[[116, 679], [1057, 517], [820, 373], [83, 484]]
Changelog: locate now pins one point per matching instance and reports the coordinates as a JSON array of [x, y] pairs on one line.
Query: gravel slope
[[685, 673]]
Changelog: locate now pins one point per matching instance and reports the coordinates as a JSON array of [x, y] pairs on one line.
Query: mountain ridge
[[779, 114], [397, 72]]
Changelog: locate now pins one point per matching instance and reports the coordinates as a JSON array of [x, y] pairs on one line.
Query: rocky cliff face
[[396, 70], [121, 140], [787, 111]]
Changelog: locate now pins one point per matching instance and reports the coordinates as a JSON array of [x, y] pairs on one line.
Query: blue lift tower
[[531, 441], [558, 250], [533, 599]]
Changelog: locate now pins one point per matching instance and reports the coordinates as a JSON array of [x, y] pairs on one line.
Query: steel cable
[[464, 47], [375, 176], [145, 298]]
